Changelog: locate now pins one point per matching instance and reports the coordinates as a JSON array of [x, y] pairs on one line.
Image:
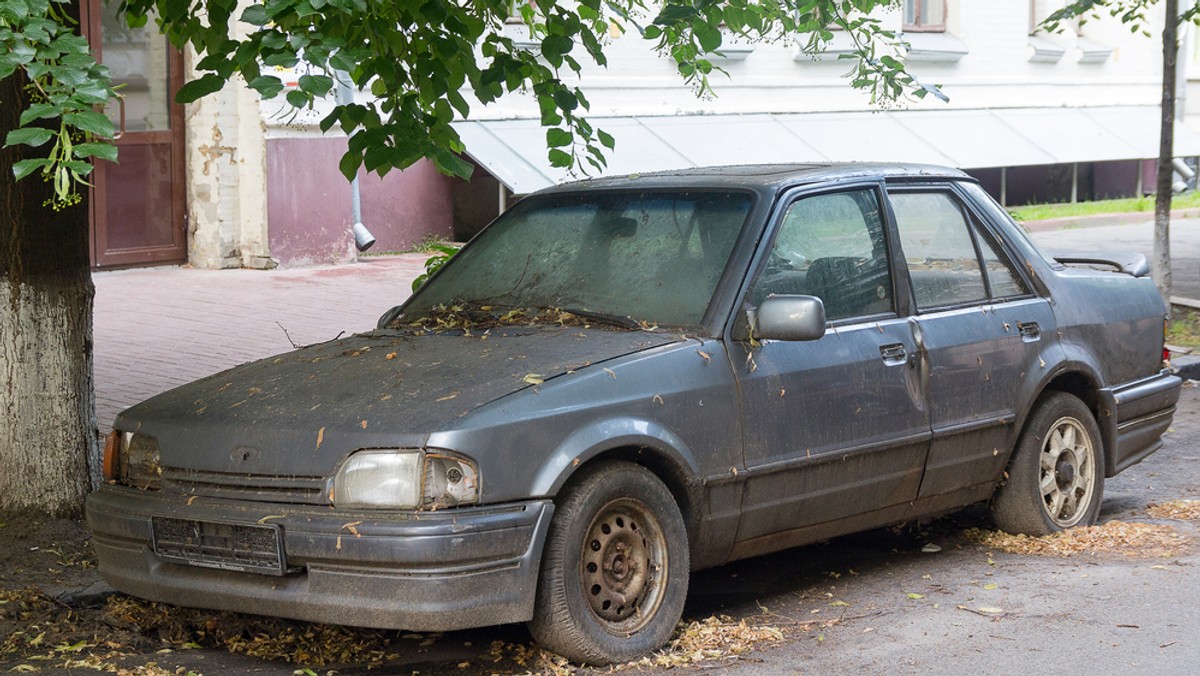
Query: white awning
[[515, 150]]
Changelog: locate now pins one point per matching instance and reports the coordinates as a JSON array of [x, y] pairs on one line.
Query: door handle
[[1030, 331], [121, 112], [894, 354]]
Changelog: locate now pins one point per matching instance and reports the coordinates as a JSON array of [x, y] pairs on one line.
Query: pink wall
[[403, 208], [309, 206]]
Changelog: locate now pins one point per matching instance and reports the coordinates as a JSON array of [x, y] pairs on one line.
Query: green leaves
[[27, 136], [65, 84], [267, 86], [256, 15], [556, 138], [349, 164], [91, 122], [560, 159], [709, 37], [316, 85], [25, 168], [202, 86], [38, 111], [424, 63], [555, 47], [103, 151]]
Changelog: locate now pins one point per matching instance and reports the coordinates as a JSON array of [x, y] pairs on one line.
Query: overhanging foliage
[[425, 62]]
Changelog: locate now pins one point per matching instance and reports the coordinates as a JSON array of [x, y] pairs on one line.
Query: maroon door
[[138, 204]]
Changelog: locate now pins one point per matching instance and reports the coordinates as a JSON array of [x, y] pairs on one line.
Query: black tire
[[1056, 474], [614, 569]]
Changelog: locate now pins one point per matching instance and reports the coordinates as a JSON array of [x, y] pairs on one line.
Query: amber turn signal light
[[112, 445]]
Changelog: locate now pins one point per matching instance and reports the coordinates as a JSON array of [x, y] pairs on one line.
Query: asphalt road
[[1185, 247]]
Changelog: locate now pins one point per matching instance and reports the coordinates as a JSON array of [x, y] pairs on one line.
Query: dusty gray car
[[623, 380]]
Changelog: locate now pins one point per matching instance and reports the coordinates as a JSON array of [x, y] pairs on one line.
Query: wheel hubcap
[[1068, 472], [623, 567]]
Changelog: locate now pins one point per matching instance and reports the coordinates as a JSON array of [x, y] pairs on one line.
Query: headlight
[[379, 479], [132, 459], [405, 479]]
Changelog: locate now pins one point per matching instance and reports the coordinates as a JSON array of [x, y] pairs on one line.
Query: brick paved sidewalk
[[156, 328]]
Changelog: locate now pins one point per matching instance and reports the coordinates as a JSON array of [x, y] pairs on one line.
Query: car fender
[[1080, 362], [605, 435]]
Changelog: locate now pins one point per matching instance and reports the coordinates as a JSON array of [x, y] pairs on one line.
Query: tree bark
[[1161, 265], [46, 397]]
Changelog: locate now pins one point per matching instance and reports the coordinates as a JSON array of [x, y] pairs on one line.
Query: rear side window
[[832, 246], [949, 261]]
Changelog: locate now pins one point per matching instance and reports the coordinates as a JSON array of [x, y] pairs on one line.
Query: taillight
[[1166, 352]]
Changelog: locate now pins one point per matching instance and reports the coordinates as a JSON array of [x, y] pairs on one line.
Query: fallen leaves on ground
[[698, 642], [53, 635], [1135, 539], [57, 636], [1188, 510], [301, 643], [718, 637], [529, 657]]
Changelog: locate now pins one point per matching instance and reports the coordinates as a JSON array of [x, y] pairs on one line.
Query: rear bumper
[[426, 571], [1134, 418]]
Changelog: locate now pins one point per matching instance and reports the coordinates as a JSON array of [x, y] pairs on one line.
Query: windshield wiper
[[614, 320]]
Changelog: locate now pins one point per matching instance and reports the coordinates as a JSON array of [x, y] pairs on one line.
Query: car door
[[979, 328], [836, 426]]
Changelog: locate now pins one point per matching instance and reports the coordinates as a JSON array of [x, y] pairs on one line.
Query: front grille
[[224, 546], [300, 490]]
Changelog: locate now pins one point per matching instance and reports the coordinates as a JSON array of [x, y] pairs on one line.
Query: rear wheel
[[615, 567], [1056, 475]]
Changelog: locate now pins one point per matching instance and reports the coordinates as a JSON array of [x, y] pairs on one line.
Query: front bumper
[[422, 571]]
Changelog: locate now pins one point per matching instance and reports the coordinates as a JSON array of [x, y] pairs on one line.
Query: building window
[[925, 15]]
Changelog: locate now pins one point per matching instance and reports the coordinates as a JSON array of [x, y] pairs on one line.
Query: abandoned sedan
[[623, 380]]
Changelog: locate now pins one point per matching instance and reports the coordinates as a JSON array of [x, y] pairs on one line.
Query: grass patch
[[1038, 212], [431, 244], [1184, 328]]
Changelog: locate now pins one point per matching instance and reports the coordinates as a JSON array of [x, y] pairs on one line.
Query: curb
[[1187, 367], [1069, 222]]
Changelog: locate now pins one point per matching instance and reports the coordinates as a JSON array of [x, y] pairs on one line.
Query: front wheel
[[615, 567], [1056, 475]]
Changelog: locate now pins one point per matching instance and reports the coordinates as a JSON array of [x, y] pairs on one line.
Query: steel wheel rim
[[623, 566], [1067, 476]]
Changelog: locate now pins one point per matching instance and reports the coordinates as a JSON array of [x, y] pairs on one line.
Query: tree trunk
[[1162, 198], [46, 397]]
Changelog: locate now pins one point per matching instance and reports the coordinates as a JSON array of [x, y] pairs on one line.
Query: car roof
[[762, 176]]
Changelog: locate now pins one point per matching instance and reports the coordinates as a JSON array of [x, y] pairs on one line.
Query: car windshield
[[632, 258]]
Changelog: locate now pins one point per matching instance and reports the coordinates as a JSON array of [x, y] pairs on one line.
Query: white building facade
[[1035, 117]]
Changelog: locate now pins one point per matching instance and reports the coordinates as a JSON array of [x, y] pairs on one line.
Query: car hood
[[300, 413]]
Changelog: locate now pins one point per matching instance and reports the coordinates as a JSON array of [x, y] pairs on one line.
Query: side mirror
[[790, 318]]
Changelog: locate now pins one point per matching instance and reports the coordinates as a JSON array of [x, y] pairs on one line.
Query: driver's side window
[[832, 246]]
